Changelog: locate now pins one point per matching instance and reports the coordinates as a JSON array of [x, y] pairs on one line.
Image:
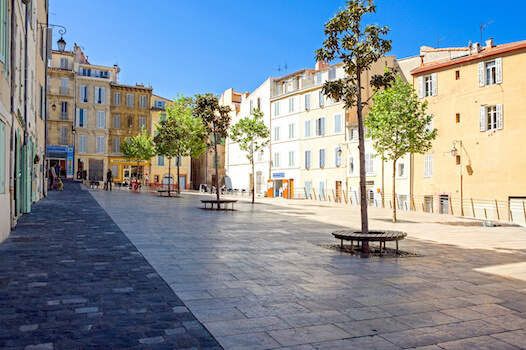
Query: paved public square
[[255, 278]]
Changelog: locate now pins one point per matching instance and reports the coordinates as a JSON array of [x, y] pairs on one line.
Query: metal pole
[[497, 206], [472, 207]]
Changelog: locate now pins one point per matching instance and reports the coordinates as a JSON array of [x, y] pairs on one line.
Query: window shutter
[[338, 123], [77, 117], [95, 94], [307, 128], [421, 88], [498, 70], [103, 95], [322, 126], [318, 126], [482, 118], [336, 157], [481, 74], [500, 119], [434, 81]]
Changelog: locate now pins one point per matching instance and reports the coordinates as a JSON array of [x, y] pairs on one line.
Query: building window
[[101, 119], [64, 111], [321, 98], [251, 106], [276, 133], [276, 108], [428, 165], [160, 160], [99, 95], [353, 134], [322, 158], [318, 78], [307, 128], [276, 160], [369, 164], [116, 145], [291, 131], [491, 118], [337, 156], [307, 101], [259, 103], [142, 123], [400, 170], [64, 86], [457, 159], [350, 167], [457, 118], [490, 72], [64, 63], [83, 143], [129, 100], [337, 123], [116, 121], [63, 135], [307, 159], [100, 144], [81, 118], [162, 116], [457, 74], [332, 74], [291, 158], [159, 104], [117, 99], [142, 101], [83, 93], [291, 104], [320, 126], [260, 155], [427, 85]]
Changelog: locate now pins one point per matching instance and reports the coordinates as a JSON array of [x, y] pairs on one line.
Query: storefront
[[63, 156], [124, 170], [280, 186]]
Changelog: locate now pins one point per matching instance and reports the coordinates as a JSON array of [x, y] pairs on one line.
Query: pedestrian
[[109, 179], [52, 177], [57, 170]]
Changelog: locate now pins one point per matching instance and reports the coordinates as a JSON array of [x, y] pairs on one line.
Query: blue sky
[[190, 46]]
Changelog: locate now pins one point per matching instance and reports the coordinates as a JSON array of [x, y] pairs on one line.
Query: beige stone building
[[163, 170], [130, 114], [478, 103]]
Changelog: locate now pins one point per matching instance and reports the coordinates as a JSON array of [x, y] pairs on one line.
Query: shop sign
[[278, 175]]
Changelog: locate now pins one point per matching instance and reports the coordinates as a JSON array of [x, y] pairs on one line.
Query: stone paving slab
[[70, 279], [266, 282]]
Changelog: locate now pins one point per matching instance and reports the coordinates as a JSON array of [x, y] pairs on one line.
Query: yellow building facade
[[163, 170], [130, 114], [478, 104]]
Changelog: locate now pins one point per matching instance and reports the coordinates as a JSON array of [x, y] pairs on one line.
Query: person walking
[[52, 178], [109, 179]]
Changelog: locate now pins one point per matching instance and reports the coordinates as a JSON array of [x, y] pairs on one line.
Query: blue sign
[[278, 175], [57, 149]]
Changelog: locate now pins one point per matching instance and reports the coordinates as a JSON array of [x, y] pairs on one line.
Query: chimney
[[489, 43], [476, 47], [321, 65]]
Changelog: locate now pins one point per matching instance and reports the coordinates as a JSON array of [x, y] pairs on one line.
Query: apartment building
[[477, 100], [162, 169], [237, 166], [23, 53], [130, 115]]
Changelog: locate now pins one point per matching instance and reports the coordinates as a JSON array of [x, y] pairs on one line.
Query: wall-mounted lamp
[[54, 107]]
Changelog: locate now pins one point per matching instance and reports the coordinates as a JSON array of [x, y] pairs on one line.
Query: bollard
[[497, 206]]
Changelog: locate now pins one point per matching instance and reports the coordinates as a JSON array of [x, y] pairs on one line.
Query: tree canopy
[[138, 148], [252, 135]]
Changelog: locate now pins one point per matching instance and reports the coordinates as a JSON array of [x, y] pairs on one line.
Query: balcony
[[64, 116]]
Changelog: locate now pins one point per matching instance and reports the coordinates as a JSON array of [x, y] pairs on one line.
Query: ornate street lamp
[[61, 44]]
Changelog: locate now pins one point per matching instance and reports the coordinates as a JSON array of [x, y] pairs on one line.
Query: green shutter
[[3, 149]]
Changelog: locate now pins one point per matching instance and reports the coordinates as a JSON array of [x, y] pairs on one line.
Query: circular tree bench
[[372, 236]]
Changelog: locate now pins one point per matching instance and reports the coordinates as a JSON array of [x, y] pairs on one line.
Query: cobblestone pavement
[[259, 278], [70, 279]]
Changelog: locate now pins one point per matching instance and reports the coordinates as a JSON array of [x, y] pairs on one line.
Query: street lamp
[[61, 44]]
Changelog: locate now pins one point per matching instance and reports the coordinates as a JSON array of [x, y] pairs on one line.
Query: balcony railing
[[64, 115]]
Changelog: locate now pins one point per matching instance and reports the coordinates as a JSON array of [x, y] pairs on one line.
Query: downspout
[[44, 111], [12, 150], [25, 176]]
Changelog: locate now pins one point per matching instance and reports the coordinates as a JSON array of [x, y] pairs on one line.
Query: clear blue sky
[[190, 46]]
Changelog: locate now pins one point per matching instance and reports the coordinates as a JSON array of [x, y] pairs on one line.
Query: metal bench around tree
[[218, 203], [372, 236]]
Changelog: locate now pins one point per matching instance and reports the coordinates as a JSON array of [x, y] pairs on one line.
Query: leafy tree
[[358, 48], [179, 135], [398, 125], [252, 135], [215, 119], [138, 148]]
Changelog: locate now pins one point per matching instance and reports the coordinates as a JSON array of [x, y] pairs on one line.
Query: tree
[[398, 125], [179, 135], [358, 49], [252, 135], [215, 119], [138, 148]]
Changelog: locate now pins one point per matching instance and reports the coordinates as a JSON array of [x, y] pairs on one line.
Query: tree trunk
[[169, 176], [363, 190], [178, 176], [216, 166], [394, 191], [252, 161]]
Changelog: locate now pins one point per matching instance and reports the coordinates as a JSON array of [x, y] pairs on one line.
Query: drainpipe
[[12, 110]]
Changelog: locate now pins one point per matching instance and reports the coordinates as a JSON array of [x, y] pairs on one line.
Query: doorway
[[338, 191], [444, 204], [182, 182]]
